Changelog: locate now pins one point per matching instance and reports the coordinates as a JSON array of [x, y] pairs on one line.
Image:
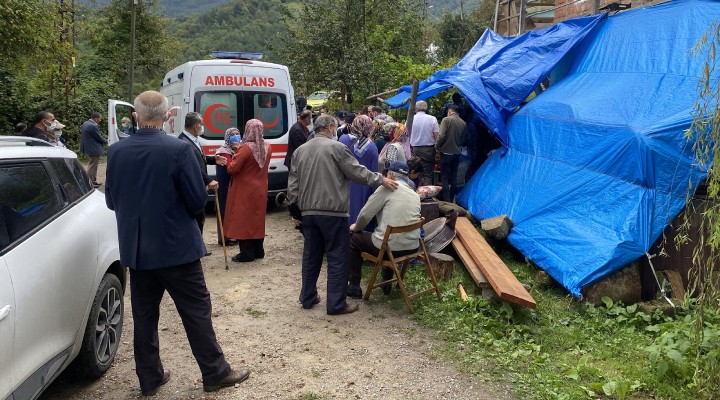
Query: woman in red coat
[[247, 194]]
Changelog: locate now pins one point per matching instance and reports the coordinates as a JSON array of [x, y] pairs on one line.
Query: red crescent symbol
[[207, 117], [271, 125]]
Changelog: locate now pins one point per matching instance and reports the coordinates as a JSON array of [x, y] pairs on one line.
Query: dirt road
[[377, 352]]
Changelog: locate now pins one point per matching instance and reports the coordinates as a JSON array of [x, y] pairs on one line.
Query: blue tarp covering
[[498, 73], [598, 165]]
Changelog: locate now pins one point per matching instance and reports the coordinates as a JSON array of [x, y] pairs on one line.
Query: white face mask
[[202, 130], [52, 126], [125, 125], [57, 134]]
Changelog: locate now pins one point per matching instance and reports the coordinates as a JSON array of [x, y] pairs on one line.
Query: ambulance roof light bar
[[236, 55]]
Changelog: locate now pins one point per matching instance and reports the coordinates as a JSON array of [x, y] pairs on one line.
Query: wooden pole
[[497, 8], [411, 107]]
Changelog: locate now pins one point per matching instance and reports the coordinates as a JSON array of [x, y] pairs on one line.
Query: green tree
[[28, 32], [457, 35], [242, 25], [705, 279], [348, 45], [106, 44]]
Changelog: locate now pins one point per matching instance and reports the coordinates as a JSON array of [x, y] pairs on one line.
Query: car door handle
[[4, 312]]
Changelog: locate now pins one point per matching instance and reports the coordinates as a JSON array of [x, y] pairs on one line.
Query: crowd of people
[[350, 177]]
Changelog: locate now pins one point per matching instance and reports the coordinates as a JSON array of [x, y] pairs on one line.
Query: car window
[[74, 181], [27, 198]]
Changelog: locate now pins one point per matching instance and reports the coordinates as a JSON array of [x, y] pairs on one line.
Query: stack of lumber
[[486, 267]]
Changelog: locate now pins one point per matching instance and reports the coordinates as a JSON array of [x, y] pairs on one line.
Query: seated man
[[395, 208]]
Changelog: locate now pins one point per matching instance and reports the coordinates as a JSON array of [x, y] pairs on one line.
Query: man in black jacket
[[298, 135], [194, 128], [42, 123]]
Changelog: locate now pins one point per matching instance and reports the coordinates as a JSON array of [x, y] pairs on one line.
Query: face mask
[[202, 130], [125, 125], [52, 126], [57, 134]]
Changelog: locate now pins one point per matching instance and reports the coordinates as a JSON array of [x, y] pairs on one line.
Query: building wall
[[567, 9]]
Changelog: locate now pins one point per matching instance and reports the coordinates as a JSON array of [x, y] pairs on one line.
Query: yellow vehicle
[[318, 99]]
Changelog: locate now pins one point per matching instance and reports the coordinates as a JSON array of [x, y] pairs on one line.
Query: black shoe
[[153, 392], [209, 253], [314, 302], [242, 257], [354, 291], [233, 378]]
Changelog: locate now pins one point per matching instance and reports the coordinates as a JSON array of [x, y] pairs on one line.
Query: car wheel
[[104, 329]]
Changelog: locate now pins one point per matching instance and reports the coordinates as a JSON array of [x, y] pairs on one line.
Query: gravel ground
[[377, 352]]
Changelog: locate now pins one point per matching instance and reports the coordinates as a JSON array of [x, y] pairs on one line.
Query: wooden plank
[[469, 263], [506, 285]]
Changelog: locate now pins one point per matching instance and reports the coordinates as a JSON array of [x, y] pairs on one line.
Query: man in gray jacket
[[395, 208], [318, 187]]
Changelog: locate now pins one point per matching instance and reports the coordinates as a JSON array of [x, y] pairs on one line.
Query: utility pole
[[462, 10], [131, 67]]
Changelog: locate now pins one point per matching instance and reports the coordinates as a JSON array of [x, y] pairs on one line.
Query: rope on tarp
[[662, 290]]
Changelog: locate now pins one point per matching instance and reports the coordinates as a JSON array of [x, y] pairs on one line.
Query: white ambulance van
[[227, 91]]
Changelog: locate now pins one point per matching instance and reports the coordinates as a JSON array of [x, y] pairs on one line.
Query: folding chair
[[385, 258]]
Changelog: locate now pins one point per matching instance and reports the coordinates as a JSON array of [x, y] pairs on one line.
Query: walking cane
[[222, 232]]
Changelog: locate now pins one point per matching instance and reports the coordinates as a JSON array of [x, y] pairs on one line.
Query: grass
[[564, 349], [255, 313]]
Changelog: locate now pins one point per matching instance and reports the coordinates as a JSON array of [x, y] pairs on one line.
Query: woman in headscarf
[[223, 179], [399, 147], [247, 195], [359, 143]]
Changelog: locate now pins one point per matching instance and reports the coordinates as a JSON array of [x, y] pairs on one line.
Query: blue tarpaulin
[[598, 165], [498, 73]]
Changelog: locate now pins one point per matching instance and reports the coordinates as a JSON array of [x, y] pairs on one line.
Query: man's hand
[[213, 185], [352, 228], [389, 183], [297, 222], [220, 160]]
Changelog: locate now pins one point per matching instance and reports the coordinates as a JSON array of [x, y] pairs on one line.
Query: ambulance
[[227, 91]]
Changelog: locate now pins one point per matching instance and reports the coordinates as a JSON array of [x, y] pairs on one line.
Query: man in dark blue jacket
[[92, 143], [194, 128], [156, 190]]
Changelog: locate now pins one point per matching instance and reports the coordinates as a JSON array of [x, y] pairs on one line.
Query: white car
[[61, 283]]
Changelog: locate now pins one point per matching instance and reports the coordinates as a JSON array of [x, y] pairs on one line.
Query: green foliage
[[351, 53], [683, 351], [27, 32], [242, 25], [107, 37], [456, 36], [564, 349]]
